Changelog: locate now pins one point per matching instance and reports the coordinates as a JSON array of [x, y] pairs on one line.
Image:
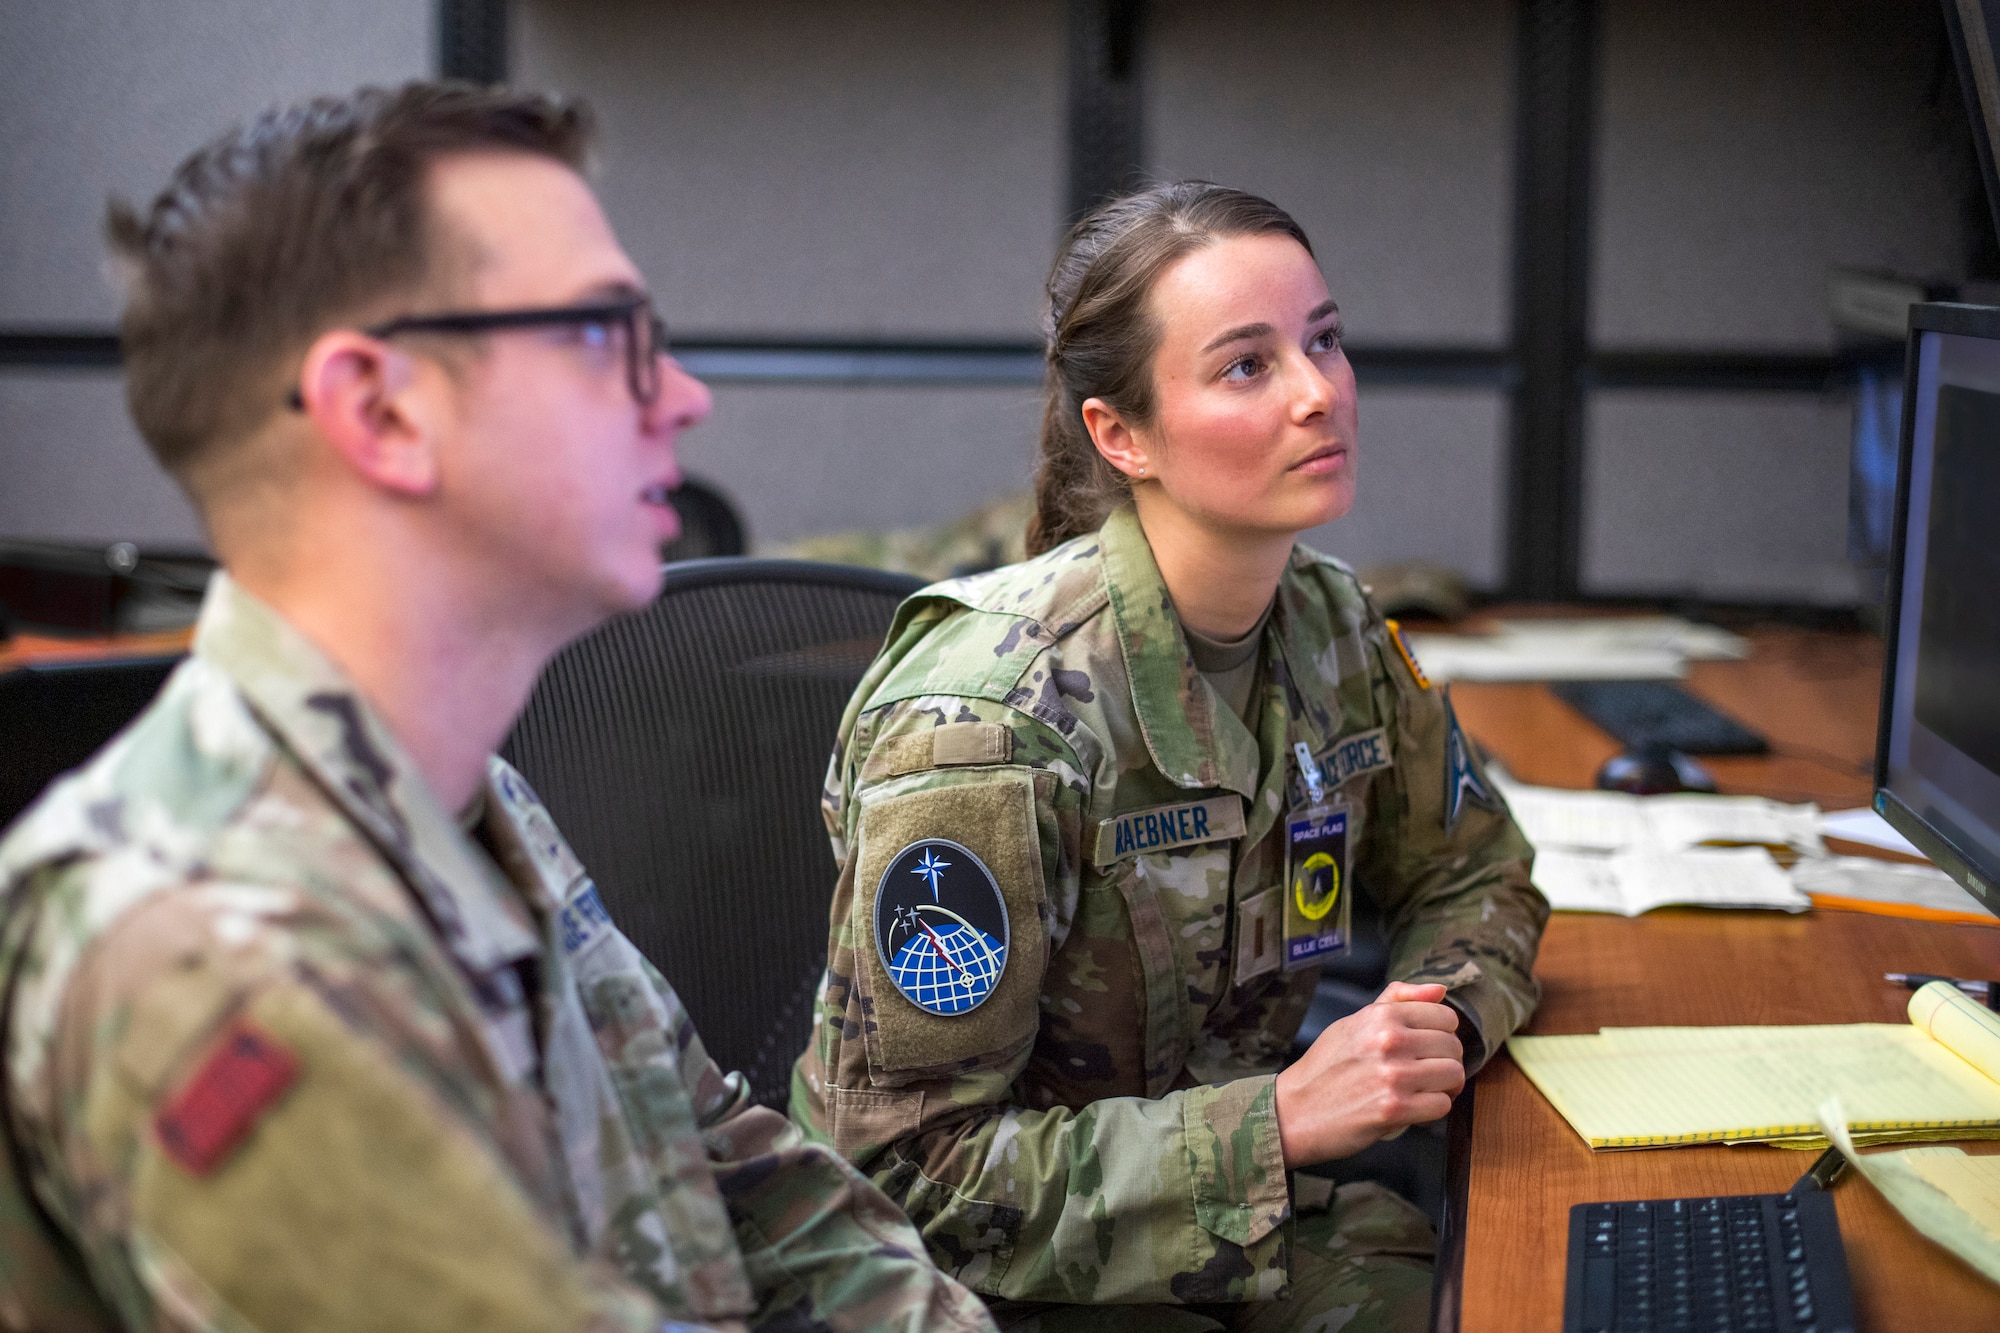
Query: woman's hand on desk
[[1372, 1074]]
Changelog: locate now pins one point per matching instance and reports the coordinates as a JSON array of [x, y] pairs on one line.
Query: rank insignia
[[1409, 658], [1462, 782], [941, 927]]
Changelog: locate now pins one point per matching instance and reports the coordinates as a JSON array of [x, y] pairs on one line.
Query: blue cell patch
[[1462, 782], [941, 927]]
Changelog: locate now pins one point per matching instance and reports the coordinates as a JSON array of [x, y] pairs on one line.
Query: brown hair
[[1102, 333], [278, 230]]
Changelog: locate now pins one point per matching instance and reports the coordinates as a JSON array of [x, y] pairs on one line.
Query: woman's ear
[[1116, 441], [360, 394]]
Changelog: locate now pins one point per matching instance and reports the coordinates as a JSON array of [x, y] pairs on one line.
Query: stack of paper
[[1596, 648], [1634, 882], [1662, 1087], [1866, 827], [1600, 851], [1611, 821], [1895, 887]]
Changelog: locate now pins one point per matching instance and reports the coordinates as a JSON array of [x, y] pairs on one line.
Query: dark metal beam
[[472, 40], [1555, 94], [75, 349], [779, 360], [1742, 372], [1105, 111]]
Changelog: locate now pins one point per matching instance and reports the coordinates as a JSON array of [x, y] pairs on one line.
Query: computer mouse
[[1654, 770]]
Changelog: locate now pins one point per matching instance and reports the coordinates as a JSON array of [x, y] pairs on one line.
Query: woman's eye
[[1242, 368], [1328, 340]]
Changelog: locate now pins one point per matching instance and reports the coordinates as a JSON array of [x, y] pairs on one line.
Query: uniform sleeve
[[822, 1246], [1445, 861], [241, 1129], [1126, 1199]]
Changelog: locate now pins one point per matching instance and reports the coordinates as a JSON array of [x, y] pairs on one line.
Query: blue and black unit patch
[[941, 927], [1462, 781]]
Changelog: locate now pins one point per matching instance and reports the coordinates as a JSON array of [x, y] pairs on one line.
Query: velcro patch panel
[[953, 745], [1162, 828]]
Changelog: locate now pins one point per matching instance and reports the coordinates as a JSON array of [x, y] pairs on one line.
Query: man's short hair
[[283, 228]]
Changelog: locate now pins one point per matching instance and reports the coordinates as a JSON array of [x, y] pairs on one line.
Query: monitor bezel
[[1976, 321]]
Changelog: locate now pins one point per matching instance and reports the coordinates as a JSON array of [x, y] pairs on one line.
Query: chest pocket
[[1171, 866], [1191, 885]]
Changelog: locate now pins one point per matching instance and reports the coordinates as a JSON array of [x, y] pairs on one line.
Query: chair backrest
[[55, 715], [710, 525], [681, 750]]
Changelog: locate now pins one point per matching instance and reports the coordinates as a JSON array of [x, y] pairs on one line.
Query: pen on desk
[[1983, 991]]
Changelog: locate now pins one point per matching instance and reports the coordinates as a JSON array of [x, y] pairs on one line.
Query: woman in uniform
[[1100, 816]]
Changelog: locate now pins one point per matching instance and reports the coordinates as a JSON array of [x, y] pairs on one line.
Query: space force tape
[[1354, 756], [1162, 828]]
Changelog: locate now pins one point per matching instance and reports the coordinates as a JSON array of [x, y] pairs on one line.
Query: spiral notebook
[[1936, 1078]]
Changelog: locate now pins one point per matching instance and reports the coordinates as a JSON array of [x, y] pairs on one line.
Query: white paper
[[1467, 657], [1628, 634], [1609, 821], [1590, 648], [1866, 827], [1883, 882], [1634, 882]]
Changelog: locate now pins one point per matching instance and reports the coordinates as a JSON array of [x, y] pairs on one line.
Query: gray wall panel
[[74, 469], [106, 96], [805, 459], [1430, 482], [792, 167], [1731, 496], [1386, 129], [1746, 145]]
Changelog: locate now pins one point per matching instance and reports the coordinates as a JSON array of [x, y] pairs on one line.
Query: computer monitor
[[1937, 757], [1974, 29]]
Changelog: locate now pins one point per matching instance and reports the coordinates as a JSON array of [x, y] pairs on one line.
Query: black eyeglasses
[[644, 332]]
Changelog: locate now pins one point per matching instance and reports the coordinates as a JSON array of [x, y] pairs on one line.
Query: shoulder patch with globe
[[941, 927]]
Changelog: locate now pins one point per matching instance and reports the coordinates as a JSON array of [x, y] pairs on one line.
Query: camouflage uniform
[[285, 1048], [992, 535], [1101, 1128]]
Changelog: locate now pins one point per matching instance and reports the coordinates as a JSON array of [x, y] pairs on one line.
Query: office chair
[[710, 525], [55, 715], [681, 750]]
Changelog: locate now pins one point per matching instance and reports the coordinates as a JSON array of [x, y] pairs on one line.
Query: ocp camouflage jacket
[[286, 1048], [1100, 1126]]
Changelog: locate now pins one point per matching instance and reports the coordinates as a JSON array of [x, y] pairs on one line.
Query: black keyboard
[[1759, 1263], [1645, 713]]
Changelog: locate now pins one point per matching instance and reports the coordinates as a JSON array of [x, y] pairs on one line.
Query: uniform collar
[[317, 713], [1193, 737]]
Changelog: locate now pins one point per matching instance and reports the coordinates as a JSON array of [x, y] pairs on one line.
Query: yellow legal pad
[[1937, 1078]]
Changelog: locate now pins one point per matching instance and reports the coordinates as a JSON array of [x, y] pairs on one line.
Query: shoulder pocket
[[948, 918]]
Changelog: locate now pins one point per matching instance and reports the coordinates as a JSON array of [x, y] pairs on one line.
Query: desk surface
[[26, 648], [1815, 696]]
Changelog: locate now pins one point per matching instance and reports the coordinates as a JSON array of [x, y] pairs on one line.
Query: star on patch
[[1462, 782]]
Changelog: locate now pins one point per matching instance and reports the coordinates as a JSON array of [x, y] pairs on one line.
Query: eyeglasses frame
[[642, 371]]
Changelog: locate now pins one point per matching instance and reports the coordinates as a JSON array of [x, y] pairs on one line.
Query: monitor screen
[[1940, 760]]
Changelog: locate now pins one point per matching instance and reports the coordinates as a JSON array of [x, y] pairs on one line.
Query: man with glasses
[[311, 1018]]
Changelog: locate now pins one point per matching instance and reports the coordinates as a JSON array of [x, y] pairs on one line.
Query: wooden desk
[[26, 648], [1815, 696]]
